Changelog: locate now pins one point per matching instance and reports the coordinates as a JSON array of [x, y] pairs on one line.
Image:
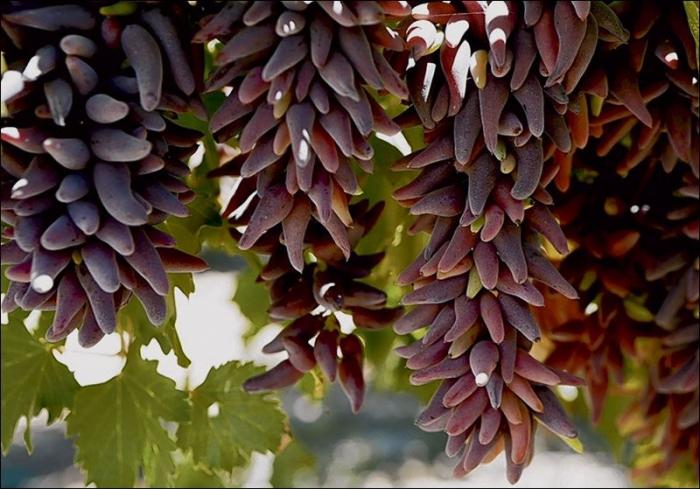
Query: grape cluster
[[635, 284], [650, 97], [615, 261], [302, 113], [643, 277], [310, 300], [300, 110], [90, 165], [481, 195]]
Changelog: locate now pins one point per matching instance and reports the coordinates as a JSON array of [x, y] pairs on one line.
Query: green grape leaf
[[191, 475], [573, 443], [253, 299], [117, 425], [692, 11], [390, 233], [226, 424], [314, 384], [32, 379], [204, 212], [133, 319], [122, 8], [293, 459]]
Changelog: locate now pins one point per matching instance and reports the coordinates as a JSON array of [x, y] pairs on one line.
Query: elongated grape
[[82, 74], [101, 302], [165, 32], [71, 153], [85, 215], [59, 96], [325, 349], [491, 315], [115, 145], [466, 413], [519, 317], [12, 85], [54, 17], [77, 45], [112, 182], [282, 375], [529, 368], [39, 177], [247, 42], [46, 265], [102, 264], [74, 186], [61, 234], [70, 299], [270, 211], [89, 333], [146, 262], [104, 109], [143, 54]]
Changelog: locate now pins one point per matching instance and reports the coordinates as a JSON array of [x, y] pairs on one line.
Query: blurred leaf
[[574, 443], [118, 425], [637, 310], [186, 230], [191, 475], [120, 8], [692, 10], [314, 384], [292, 460], [226, 425], [32, 379], [253, 299], [390, 233]]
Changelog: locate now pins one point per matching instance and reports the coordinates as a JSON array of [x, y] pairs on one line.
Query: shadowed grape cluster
[[481, 195], [310, 298], [636, 271], [642, 277], [630, 269], [90, 165]]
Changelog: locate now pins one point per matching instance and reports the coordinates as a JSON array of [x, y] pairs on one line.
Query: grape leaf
[[118, 425], [390, 233], [32, 379], [253, 299], [692, 10], [294, 458], [132, 318], [226, 424], [204, 212], [191, 475]]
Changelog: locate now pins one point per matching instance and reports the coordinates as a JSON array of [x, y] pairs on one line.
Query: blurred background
[[380, 447]]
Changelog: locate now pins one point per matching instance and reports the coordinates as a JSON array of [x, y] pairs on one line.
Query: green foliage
[[692, 10], [132, 406], [294, 459], [253, 299], [191, 475], [133, 319], [224, 436], [32, 380]]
